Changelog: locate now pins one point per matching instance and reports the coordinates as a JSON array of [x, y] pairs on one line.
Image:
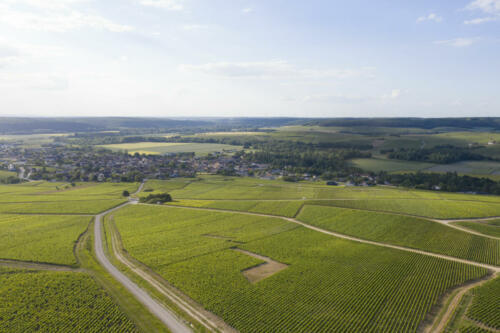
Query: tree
[[126, 193]]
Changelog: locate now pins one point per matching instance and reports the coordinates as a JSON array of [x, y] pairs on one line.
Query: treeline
[[312, 162], [444, 154], [449, 182]]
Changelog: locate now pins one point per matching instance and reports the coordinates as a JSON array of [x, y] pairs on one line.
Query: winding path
[[355, 239], [175, 324]]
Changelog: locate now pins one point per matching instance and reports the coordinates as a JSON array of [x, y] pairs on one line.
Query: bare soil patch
[[262, 271]]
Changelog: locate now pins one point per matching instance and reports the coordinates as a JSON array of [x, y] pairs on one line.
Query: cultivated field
[[340, 285], [48, 239], [405, 231], [57, 302], [155, 148]]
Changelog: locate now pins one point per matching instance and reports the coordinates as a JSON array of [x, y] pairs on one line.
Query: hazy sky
[[317, 58]]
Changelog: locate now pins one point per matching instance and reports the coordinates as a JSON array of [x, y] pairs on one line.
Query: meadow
[[330, 284], [57, 302], [404, 231], [156, 148], [382, 164]]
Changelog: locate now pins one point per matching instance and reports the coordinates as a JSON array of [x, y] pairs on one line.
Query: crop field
[[48, 239], [6, 174], [234, 188], [57, 302], [405, 231], [482, 227], [486, 304], [279, 208], [469, 167], [157, 148], [378, 164], [330, 284], [62, 198], [440, 209]]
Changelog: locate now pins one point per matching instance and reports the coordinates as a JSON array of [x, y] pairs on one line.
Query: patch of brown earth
[[262, 271]]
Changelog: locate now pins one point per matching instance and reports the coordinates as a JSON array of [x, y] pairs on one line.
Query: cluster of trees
[[450, 182], [156, 198], [311, 161], [443, 154]]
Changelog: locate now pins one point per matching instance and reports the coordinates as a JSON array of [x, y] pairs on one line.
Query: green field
[[469, 167], [486, 304], [48, 239], [329, 285], [33, 301], [279, 208], [6, 174], [483, 227], [156, 148], [379, 164], [440, 209], [62, 198], [404, 231]]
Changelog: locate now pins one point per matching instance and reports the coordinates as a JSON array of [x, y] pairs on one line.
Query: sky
[[250, 58]]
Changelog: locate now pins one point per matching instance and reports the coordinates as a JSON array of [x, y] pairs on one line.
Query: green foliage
[[156, 198], [330, 284], [473, 329], [48, 239], [405, 231], [57, 302], [486, 304]]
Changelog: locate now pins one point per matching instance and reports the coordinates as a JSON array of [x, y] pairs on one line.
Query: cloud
[[277, 69], [16, 53], [490, 7], [247, 10], [481, 20], [35, 81], [431, 17], [53, 16], [193, 27], [352, 98], [395, 94], [457, 42], [487, 6], [164, 4]]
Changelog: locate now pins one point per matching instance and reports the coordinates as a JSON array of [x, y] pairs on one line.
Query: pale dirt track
[[355, 239], [196, 311], [441, 322], [37, 266], [174, 323]]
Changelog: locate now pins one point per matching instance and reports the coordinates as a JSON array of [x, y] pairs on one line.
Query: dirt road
[[355, 239], [174, 323]]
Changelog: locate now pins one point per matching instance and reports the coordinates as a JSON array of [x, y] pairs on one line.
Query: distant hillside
[[424, 123], [13, 125]]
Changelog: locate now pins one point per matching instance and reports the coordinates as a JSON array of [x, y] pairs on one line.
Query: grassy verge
[[110, 229], [143, 319]]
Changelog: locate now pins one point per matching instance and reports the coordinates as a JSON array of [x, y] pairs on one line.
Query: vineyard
[[486, 304], [278, 208], [483, 227], [329, 285], [57, 302], [47, 239], [405, 231], [441, 209]]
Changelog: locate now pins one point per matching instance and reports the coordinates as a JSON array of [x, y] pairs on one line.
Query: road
[[175, 324]]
